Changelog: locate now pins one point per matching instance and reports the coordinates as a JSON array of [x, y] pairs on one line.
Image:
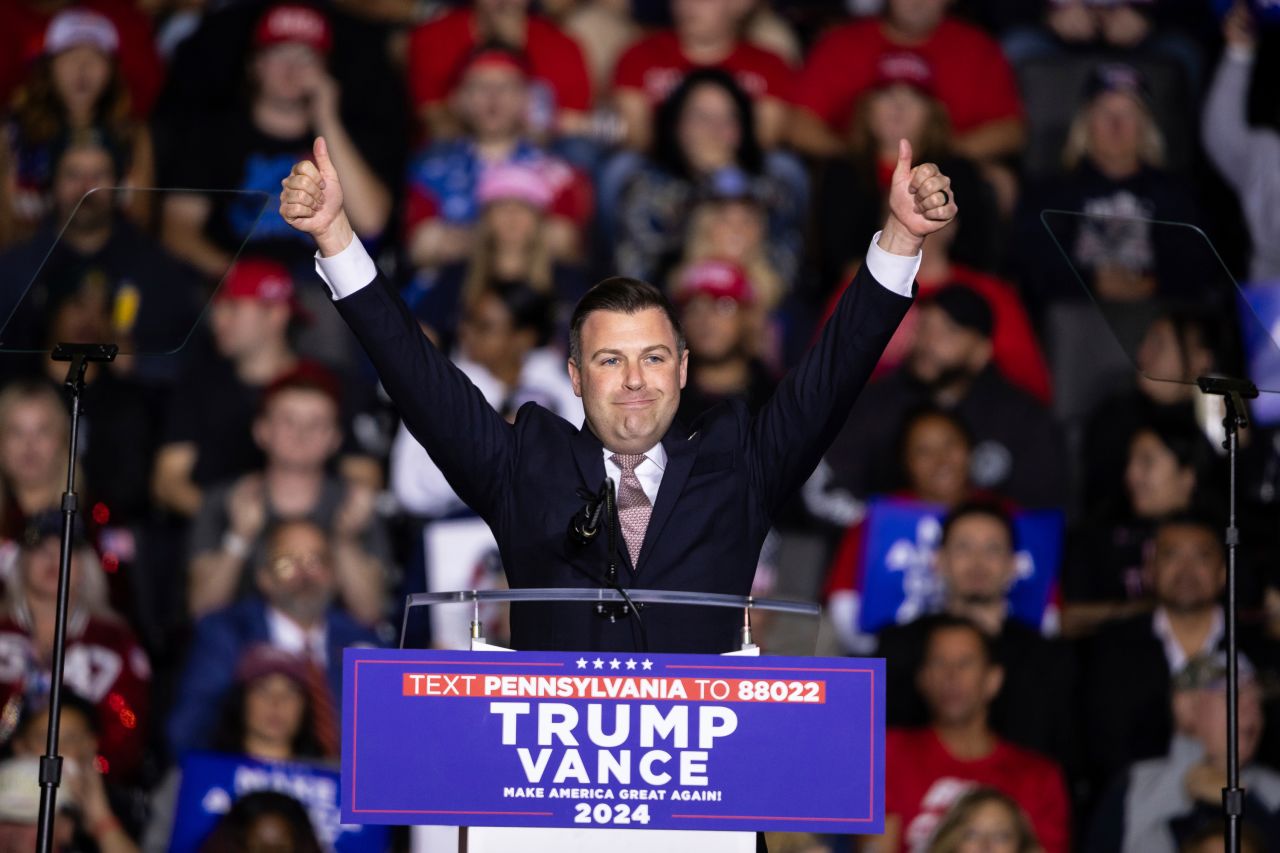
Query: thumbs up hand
[[920, 203], [311, 201]]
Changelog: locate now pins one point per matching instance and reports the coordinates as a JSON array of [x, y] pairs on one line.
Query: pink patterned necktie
[[634, 508]]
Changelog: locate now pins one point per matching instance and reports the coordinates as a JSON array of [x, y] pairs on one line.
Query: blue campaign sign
[[899, 583], [554, 739], [1261, 338], [212, 782]]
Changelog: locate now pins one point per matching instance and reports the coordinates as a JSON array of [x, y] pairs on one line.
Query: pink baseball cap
[[716, 279], [76, 27], [518, 181]]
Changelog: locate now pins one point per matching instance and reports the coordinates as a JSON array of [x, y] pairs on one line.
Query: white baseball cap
[[75, 27]]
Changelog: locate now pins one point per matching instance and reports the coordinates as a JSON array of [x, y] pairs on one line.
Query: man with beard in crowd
[[1018, 450]]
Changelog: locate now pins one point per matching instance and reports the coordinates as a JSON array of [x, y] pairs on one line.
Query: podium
[[618, 751]]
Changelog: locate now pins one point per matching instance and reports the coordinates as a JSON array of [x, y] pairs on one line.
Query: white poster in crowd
[[461, 554]]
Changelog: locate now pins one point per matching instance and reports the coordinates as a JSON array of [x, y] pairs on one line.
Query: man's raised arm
[[443, 410], [800, 421]]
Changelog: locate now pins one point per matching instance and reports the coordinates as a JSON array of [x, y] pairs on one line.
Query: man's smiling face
[[630, 377]]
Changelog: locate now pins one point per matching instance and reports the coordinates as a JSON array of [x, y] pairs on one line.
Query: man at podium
[[694, 501]]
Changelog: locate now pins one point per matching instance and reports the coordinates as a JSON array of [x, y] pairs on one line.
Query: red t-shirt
[[971, 75], [438, 48], [1015, 349], [655, 65], [922, 780], [22, 39], [104, 664]]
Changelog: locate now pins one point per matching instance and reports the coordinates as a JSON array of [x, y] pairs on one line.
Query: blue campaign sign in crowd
[[900, 583]]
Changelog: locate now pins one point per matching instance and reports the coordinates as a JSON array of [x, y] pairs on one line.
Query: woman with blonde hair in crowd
[[984, 820], [74, 85], [853, 189], [731, 225], [104, 661], [510, 246], [1116, 179]]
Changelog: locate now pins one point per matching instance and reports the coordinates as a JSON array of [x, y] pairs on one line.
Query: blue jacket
[[219, 640]]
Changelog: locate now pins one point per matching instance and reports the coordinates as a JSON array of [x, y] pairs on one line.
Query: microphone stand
[[80, 357], [583, 527], [1233, 392]]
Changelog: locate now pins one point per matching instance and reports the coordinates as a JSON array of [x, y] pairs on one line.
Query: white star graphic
[[582, 663], [597, 663], [631, 664], [646, 664], [615, 663]]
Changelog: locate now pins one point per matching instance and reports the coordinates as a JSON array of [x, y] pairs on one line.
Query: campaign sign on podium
[[554, 739]]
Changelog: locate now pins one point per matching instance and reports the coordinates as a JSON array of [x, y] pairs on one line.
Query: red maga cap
[[905, 67], [715, 279], [257, 278], [291, 23]]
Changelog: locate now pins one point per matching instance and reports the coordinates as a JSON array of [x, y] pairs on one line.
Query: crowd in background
[[251, 504]]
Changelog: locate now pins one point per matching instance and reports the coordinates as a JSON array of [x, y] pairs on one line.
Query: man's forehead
[[298, 538], [979, 525], [302, 398], [492, 73], [1186, 537], [604, 329]]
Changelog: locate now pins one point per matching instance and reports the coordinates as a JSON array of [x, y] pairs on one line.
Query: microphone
[[585, 523], [600, 509]]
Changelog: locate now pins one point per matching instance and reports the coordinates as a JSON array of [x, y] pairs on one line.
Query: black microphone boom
[[585, 523], [584, 526]]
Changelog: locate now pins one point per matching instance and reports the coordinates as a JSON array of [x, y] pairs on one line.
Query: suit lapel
[[588, 453], [682, 450]]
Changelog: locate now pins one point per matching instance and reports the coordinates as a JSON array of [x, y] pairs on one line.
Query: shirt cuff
[[1240, 53], [896, 273], [348, 271]]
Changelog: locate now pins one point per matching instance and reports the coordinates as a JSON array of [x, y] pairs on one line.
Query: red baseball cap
[[291, 23], [305, 376], [904, 67], [491, 55], [261, 280], [263, 659], [716, 279]]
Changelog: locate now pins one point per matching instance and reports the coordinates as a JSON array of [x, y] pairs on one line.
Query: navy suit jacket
[[220, 639], [727, 473]]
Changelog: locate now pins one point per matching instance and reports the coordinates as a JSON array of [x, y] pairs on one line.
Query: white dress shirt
[[648, 472], [1161, 627], [289, 636]]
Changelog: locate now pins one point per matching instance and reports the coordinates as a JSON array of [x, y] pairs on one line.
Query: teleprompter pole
[[1233, 392], [80, 357]]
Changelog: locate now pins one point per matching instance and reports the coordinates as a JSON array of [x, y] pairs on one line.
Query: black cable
[[584, 526], [615, 530]]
